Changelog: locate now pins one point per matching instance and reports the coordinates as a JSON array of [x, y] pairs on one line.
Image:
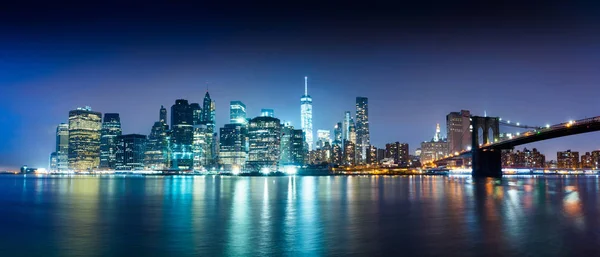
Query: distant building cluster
[[190, 141]]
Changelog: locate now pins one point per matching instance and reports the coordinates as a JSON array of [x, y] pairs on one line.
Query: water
[[298, 216]]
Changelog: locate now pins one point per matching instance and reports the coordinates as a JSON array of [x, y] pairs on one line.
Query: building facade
[[264, 135], [398, 152], [306, 115], [131, 151], [232, 142], [84, 139], [323, 137], [158, 143], [181, 135], [292, 146], [111, 129], [363, 138], [458, 128], [567, 160], [62, 147], [237, 112]]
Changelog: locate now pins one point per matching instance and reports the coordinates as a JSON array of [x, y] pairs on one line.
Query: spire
[[437, 135], [305, 85]]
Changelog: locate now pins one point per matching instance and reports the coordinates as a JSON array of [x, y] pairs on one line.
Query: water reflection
[[254, 216]]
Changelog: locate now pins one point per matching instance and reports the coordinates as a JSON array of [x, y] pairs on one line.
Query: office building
[[323, 137], [596, 159], [53, 167], [158, 154], [232, 146], [237, 112], [62, 147], [349, 153], [130, 152], [111, 129], [434, 149], [267, 113], [372, 156], [567, 160], [196, 113], [306, 115], [363, 138], [337, 133], [208, 120], [181, 135], [264, 135], [586, 161], [292, 146], [459, 133], [398, 152], [84, 139], [346, 126]]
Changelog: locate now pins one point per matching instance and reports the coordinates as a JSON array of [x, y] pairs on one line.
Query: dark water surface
[[299, 216]]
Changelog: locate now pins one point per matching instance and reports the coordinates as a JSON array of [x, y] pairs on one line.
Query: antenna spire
[[305, 85]]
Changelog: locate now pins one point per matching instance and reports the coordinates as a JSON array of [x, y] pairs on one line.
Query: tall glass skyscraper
[[346, 126], [182, 135], [264, 134], [130, 152], [111, 129], [306, 115], [62, 147], [157, 146], [323, 137], [363, 138], [84, 139], [237, 112]]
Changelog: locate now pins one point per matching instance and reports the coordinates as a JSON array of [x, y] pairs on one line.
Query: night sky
[[535, 63]]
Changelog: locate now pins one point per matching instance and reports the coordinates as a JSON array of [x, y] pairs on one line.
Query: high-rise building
[[264, 137], [349, 153], [237, 112], [62, 147], [208, 120], [232, 154], [181, 135], [157, 146], [434, 149], [201, 147], [53, 162], [363, 138], [196, 113], [292, 146], [130, 152], [306, 115], [337, 133], [163, 115], [458, 129], [111, 129], [323, 137], [352, 132], [586, 161], [596, 159], [346, 126], [337, 154], [567, 160], [84, 139], [267, 113], [398, 152], [372, 155]]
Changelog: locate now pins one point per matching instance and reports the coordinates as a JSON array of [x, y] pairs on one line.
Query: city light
[[291, 170], [265, 170], [236, 170]]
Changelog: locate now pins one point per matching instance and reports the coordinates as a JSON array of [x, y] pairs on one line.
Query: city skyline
[[518, 71]]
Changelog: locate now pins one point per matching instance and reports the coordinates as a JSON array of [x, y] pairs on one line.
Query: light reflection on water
[[302, 216]]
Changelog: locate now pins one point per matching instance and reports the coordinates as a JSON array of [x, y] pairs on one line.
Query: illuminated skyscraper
[[208, 120], [232, 144], [111, 129], [84, 139], [306, 115], [157, 146], [196, 113], [130, 152], [337, 134], [363, 137], [292, 146], [346, 126], [181, 135], [264, 134], [459, 134], [237, 112], [267, 113], [62, 147], [323, 137]]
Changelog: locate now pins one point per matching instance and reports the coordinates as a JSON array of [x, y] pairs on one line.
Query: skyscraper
[[292, 146], [264, 134], [306, 115], [157, 152], [208, 120], [181, 135], [346, 126], [196, 113], [237, 112], [130, 152], [84, 139], [398, 152], [363, 138], [459, 134], [337, 134], [111, 129], [62, 147], [232, 154], [323, 136]]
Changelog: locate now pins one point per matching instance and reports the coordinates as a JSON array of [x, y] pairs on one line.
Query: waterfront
[[298, 216]]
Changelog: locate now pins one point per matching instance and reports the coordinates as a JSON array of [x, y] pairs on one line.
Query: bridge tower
[[486, 162]]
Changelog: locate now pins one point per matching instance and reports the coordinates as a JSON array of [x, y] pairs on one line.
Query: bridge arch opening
[[481, 138], [490, 135]]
